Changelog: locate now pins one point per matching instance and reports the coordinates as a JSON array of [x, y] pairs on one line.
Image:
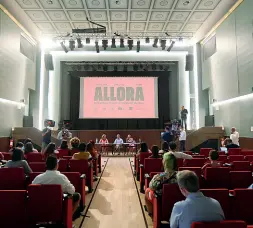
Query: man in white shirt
[[173, 147], [234, 136], [118, 143], [182, 139], [64, 134], [52, 176]]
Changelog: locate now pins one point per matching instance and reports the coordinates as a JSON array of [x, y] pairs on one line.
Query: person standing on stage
[[46, 136], [118, 143], [182, 139], [184, 113]]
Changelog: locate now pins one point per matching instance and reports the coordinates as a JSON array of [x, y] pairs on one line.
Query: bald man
[[234, 136]]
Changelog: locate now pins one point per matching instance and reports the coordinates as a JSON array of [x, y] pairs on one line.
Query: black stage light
[[125, 68], [64, 47], [147, 40], [79, 42], [122, 43], [87, 40], [113, 43], [115, 68], [135, 67], [105, 68], [97, 47], [155, 43], [86, 67], [163, 44], [166, 68], [105, 44], [171, 46], [94, 68], [72, 45], [153, 66], [161, 67], [138, 46], [130, 44]]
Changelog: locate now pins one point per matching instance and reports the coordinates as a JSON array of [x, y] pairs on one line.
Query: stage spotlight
[[79, 42], [147, 40], [86, 67], [105, 44], [113, 43], [138, 46], [125, 68], [97, 47], [171, 46], [105, 68], [161, 67], [155, 43], [115, 68], [64, 47], [135, 67], [72, 45], [163, 44], [153, 66], [130, 44], [93, 68], [166, 68], [141, 66], [87, 40], [145, 68], [122, 43]]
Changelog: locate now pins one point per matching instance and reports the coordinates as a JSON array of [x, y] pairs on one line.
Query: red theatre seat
[[223, 158], [46, 204], [195, 162], [63, 165], [197, 170], [234, 151], [221, 224], [205, 151], [241, 166], [247, 152], [233, 158], [83, 167], [180, 162], [240, 179], [13, 208], [242, 205], [7, 155], [34, 157], [150, 165], [63, 152], [162, 206], [249, 158], [33, 175], [217, 177], [12, 179], [140, 161], [38, 166], [221, 195]]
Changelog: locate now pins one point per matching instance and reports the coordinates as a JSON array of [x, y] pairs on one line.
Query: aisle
[[115, 203]]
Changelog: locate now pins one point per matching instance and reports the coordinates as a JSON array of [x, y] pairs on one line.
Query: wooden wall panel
[[4, 144]]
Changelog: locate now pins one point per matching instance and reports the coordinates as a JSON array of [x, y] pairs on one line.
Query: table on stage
[[124, 145]]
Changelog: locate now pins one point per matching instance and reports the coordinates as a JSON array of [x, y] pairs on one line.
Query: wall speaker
[[28, 121], [49, 65], [189, 62]]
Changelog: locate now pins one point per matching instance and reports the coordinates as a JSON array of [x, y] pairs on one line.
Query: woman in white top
[[173, 147]]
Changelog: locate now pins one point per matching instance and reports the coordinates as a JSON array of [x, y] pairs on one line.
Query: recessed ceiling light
[[186, 3]]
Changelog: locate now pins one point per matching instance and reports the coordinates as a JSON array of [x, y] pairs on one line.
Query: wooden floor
[[115, 203]]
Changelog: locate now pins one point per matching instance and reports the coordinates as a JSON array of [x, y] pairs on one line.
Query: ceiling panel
[[122, 16]]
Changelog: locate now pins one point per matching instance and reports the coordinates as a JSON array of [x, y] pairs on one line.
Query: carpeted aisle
[[115, 203]]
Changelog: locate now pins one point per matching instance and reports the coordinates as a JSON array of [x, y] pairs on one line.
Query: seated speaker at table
[[118, 143]]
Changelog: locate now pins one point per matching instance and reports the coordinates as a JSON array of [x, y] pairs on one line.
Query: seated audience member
[[173, 147], [229, 144], [52, 176], [90, 148], [165, 148], [64, 145], [18, 161], [155, 152], [118, 143], [82, 154], [167, 177], [196, 207], [213, 157], [19, 145], [29, 148], [103, 141], [74, 142], [143, 149], [50, 150]]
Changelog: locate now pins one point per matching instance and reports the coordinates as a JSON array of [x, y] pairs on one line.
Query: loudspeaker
[[189, 62], [28, 121], [49, 65]]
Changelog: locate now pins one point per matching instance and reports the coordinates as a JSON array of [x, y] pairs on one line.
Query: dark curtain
[[112, 124]]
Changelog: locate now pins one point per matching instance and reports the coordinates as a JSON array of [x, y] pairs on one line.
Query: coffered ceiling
[[131, 17]]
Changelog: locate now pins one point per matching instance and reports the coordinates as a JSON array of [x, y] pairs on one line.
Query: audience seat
[[234, 151], [63, 152], [33, 175], [233, 158], [217, 177], [249, 158], [205, 151], [99, 163], [83, 167], [46, 204], [198, 156], [188, 152], [7, 155], [240, 179], [221, 224], [38, 166], [12, 179], [150, 165], [241, 166], [222, 196], [180, 162], [95, 166], [34, 157], [195, 162], [139, 162], [242, 205], [78, 181], [223, 158], [63, 165], [247, 152], [222, 153], [13, 208], [162, 206]]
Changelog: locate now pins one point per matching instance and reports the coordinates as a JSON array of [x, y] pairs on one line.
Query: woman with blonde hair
[[166, 177], [74, 142], [103, 141]]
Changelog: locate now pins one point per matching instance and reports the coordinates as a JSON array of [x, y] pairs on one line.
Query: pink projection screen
[[118, 97]]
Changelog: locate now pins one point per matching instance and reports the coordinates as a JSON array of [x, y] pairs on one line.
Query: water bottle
[[96, 140]]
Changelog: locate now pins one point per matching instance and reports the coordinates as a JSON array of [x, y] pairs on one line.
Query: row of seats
[[231, 151]]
